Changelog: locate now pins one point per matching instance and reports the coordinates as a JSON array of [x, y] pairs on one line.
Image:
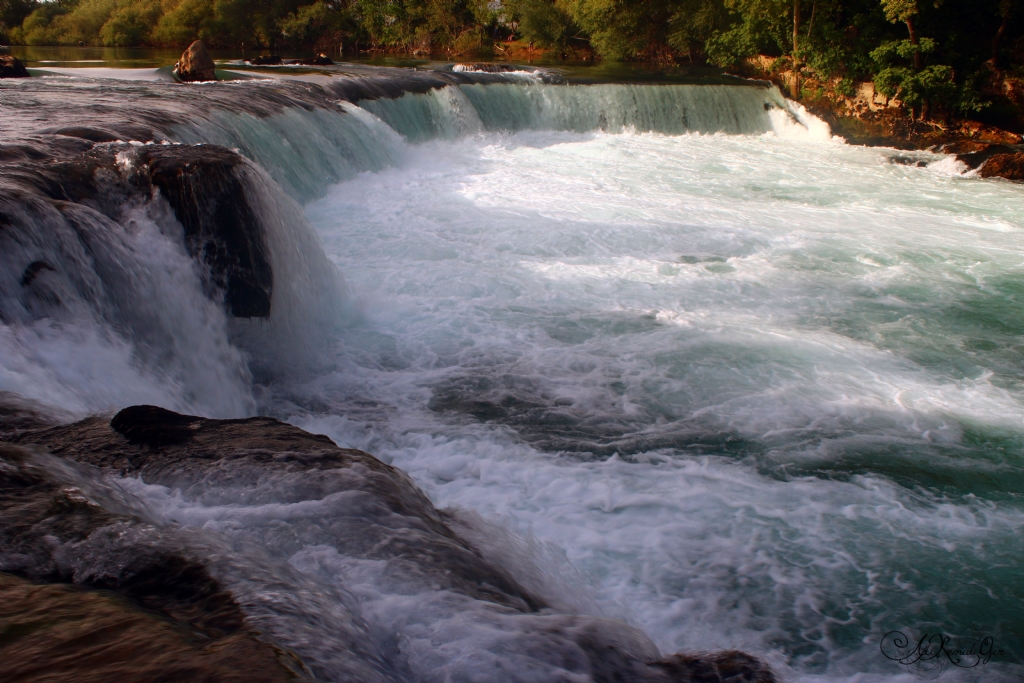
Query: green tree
[[545, 23], [625, 29], [904, 11], [187, 21], [132, 23]]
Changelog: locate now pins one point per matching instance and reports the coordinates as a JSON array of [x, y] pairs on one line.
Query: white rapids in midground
[[788, 291], [759, 391]]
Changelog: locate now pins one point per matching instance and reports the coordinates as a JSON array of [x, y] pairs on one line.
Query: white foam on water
[[949, 165], [106, 73], [794, 296]]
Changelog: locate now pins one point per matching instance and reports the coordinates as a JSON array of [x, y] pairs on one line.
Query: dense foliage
[[920, 51]]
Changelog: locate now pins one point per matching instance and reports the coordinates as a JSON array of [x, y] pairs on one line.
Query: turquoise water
[[762, 390]]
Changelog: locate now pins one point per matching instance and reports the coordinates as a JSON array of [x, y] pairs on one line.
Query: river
[[681, 357]]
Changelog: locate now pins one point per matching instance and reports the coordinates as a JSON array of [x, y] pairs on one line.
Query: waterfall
[[668, 109], [307, 138]]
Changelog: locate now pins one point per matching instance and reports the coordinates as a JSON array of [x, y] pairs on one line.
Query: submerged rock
[[320, 60], [1009, 166], [11, 67], [148, 614], [264, 60], [195, 64]]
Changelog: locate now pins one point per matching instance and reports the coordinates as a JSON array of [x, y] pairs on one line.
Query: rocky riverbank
[[862, 116]]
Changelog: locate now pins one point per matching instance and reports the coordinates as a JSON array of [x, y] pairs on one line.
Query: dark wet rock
[[396, 525], [153, 426], [88, 197], [52, 526], [221, 229], [11, 67], [729, 666], [44, 515], [67, 633], [182, 451], [1009, 166], [901, 160], [974, 153], [264, 60], [18, 414], [320, 60], [195, 64], [87, 133]]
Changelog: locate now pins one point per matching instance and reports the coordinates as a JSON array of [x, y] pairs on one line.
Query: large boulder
[[1009, 166], [83, 197], [151, 613], [290, 495], [195, 64], [11, 67], [204, 187], [974, 153]]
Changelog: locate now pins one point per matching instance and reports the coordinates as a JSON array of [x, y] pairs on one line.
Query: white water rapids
[[763, 289], [754, 389]]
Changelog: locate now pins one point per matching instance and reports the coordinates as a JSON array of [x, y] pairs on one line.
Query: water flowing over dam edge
[[86, 180]]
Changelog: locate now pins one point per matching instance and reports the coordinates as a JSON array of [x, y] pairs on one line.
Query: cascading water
[[674, 355]]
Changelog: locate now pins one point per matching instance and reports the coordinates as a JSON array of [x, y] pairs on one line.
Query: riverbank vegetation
[[938, 58]]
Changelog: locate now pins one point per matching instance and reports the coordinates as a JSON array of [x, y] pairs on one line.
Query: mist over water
[[671, 354]]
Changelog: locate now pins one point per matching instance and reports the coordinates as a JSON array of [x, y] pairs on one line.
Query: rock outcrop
[[153, 615], [62, 632], [204, 188], [88, 193], [11, 67], [1009, 166], [195, 64], [75, 548], [974, 153]]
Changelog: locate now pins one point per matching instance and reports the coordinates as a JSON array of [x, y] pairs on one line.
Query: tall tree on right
[[904, 11]]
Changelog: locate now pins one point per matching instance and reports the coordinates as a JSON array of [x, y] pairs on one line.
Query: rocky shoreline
[[993, 152], [862, 116], [94, 587]]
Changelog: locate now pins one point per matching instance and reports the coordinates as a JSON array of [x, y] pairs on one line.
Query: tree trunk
[[796, 27], [810, 24], [999, 37], [915, 43], [794, 86]]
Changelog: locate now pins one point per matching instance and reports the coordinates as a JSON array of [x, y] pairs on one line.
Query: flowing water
[[677, 355]]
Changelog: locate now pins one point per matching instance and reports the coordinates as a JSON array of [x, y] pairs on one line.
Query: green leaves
[[892, 51], [542, 22], [899, 11], [933, 85]]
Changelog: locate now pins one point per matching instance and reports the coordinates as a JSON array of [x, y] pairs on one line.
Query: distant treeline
[[927, 50]]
